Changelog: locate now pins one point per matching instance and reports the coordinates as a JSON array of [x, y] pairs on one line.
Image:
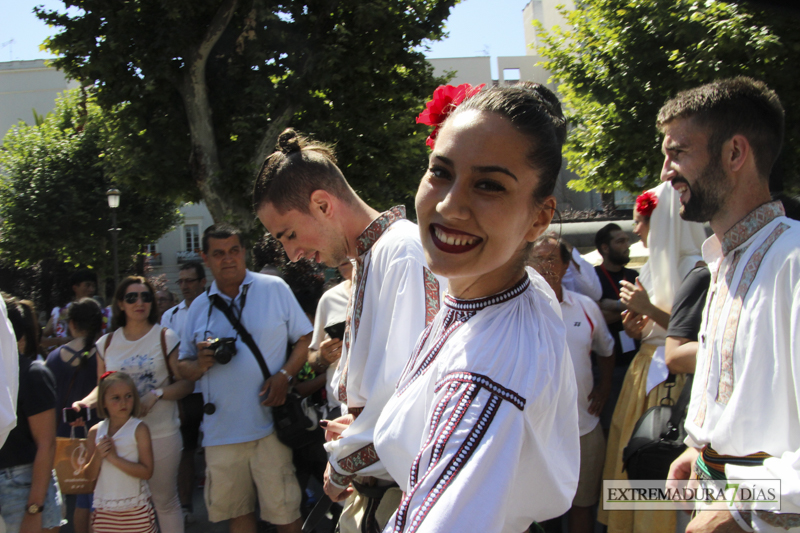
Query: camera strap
[[220, 304]]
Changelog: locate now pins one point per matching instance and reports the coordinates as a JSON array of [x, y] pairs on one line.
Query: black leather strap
[[220, 304]]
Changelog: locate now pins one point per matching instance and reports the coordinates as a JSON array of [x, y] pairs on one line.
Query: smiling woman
[[506, 378]]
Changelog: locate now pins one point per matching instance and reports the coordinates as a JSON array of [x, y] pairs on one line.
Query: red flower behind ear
[[646, 202], [445, 99]]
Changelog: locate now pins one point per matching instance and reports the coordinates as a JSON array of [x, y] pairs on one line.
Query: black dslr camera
[[224, 349]]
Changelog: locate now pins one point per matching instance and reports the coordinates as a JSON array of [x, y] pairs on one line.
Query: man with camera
[[241, 310]]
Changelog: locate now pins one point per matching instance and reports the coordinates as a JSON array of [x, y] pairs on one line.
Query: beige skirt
[[633, 402]]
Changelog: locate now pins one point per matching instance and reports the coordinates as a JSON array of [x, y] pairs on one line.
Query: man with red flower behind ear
[[303, 199]]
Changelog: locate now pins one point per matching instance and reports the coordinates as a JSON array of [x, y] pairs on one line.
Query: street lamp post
[[113, 202]]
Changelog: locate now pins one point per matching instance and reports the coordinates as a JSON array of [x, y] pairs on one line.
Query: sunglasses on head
[[133, 297]]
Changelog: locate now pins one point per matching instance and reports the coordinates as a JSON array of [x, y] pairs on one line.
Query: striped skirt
[[139, 520]]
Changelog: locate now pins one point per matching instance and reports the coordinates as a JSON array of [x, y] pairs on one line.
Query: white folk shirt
[[9, 375], [481, 433], [586, 332], [746, 391], [394, 296], [331, 309]]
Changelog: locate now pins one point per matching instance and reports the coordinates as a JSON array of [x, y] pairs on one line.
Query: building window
[[191, 234], [150, 249], [511, 76]]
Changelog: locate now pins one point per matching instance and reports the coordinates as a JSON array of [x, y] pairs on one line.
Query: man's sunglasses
[[133, 297]]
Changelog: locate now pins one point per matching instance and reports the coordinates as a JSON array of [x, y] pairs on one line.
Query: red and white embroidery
[[360, 459], [726, 376], [355, 305], [431, 295], [457, 312], [470, 385], [751, 224]]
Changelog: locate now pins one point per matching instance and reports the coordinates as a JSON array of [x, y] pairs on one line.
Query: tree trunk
[[607, 198], [204, 161]]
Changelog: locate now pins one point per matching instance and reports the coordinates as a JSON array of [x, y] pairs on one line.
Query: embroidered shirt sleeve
[[465, 413]]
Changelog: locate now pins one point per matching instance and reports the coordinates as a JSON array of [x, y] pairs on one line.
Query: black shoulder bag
[[293, 426], [657, 438]]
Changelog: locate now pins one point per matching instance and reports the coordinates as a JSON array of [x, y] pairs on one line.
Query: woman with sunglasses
[[481, 433], [141, 348]]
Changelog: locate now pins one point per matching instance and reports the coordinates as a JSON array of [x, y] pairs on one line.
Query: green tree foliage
[[53, 202], [208, 85], [620, 60]]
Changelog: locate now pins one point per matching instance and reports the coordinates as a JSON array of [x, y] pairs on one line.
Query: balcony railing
[[188, 255]]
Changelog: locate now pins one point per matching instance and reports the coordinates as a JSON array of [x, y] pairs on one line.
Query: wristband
[[289, 377], [158, 393]]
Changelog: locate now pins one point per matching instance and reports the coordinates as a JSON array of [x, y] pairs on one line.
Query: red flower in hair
[[646, 202], [445, 99], [107, 373]]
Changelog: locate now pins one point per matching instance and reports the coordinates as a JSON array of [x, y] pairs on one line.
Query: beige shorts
[[236, 473], [593, 455]]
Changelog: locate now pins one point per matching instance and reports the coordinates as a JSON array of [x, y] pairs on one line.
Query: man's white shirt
[[746, 390], [586, 332]]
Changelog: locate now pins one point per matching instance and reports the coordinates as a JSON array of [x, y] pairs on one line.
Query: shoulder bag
[[657, 438]]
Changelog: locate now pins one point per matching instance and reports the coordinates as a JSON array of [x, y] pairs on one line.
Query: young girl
[[121, 460]]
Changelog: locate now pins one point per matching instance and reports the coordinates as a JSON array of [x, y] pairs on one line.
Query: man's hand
[[205, 356], [274, 390], [713, 522], [598, 398], [681, 468], [334, 493], [330, 350], [612, 310]]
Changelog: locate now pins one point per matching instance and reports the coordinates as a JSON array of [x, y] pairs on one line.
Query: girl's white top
[[116, 490]]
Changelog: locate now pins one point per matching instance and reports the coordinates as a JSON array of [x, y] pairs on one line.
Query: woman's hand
[[147, 403], [330, 350], [634, 324], [334, 428], [635, 297]]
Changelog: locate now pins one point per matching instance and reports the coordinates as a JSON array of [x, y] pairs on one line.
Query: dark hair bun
[[289, 142], [550, 101]]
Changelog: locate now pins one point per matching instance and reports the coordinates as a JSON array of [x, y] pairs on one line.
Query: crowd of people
[[470, 372]]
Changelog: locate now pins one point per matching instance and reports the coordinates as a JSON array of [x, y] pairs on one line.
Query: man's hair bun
[[289, 142]]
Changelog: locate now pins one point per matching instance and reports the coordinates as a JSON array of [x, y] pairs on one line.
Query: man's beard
[[706, 195], [618, 258]]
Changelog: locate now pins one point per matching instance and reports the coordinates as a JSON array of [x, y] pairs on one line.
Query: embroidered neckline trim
[[751, 224], [477, 304], [377, 227]]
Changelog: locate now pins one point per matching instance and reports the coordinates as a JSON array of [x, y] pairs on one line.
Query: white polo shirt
[[586, 331]]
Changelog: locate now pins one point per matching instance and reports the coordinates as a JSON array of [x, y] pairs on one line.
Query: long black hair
[[87, 317]]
